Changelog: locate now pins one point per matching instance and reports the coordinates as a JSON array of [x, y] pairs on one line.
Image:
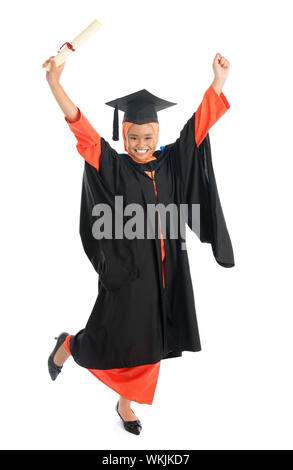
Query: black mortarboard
[[140, 108]]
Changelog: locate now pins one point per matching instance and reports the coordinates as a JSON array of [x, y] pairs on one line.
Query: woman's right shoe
[[54, 370], [132, 426]]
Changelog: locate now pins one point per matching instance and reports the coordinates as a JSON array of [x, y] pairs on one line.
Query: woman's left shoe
[[132, 426], [54, 370]]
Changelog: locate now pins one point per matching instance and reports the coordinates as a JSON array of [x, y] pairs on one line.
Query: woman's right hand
[[53, 75]]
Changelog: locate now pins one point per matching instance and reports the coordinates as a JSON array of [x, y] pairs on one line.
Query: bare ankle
[[60, 356], [124, 403]]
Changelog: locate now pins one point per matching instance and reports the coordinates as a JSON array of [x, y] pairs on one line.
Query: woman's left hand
[[221, 67]]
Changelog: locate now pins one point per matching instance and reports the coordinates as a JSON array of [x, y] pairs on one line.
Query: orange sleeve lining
[[212, 107], [88, 140]]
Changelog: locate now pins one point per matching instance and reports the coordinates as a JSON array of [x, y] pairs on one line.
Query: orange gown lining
[[139, 383]]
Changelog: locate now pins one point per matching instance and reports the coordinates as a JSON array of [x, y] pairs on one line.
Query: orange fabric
[[88, 140], [134, 383], [212, 107], [139, 383]]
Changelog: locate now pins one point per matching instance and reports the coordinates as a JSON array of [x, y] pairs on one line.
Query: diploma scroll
[[75, 43]]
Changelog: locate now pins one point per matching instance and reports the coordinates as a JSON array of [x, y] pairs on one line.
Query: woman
[[145, 308]]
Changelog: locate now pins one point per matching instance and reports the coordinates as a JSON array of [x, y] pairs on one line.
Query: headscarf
[[125, 128]]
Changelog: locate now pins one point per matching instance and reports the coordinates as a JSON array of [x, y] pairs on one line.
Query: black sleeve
[[196, 177], [114, 261], [109, 166]]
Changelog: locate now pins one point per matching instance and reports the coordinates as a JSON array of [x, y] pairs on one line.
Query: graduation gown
[[145, 310]]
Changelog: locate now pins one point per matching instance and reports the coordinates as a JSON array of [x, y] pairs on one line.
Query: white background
[[237, 392]]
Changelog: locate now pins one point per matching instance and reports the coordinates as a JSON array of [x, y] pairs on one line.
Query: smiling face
[[141, 141]]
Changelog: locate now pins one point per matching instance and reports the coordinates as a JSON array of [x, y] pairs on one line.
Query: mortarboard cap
[[140, 107]]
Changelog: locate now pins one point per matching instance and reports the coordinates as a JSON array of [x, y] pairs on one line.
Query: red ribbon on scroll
[[69, 45]]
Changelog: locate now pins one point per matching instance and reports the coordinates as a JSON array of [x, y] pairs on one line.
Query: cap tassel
[[116, 124]]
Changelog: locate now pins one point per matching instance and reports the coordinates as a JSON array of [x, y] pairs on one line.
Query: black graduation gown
[[135, 320]]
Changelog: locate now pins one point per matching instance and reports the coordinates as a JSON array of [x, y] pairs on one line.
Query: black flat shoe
[[132, 426], [54, 370]]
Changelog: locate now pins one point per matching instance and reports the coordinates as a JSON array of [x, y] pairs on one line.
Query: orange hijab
[[125, 128]]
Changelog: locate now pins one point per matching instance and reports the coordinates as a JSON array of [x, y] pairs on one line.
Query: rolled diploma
[[76, 42]]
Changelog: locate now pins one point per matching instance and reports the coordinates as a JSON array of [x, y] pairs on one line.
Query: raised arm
[[214, 103], [88, 140], [212, 107], [65, 103], [192, 144]]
